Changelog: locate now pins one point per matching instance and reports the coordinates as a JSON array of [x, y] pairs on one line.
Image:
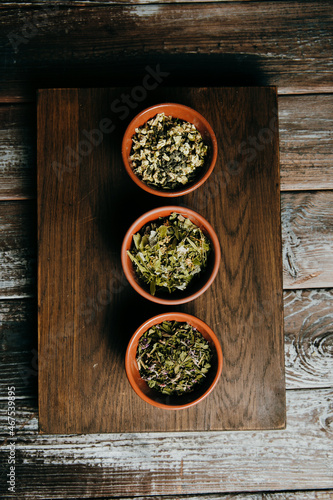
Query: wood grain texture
[[84, 388], [306, 144], [17, 249], [307, 334], [106, 466], [17, 152], [88, 3], [18, 351], [285, 495], [307, 264], [102, 465], [308, 326], [287, 44]]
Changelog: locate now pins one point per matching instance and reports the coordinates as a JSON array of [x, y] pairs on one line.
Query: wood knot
[[314, 347], [326, 421]]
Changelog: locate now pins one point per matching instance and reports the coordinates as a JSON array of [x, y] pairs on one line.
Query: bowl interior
[[163, 400], [199, 282], [176, 111]]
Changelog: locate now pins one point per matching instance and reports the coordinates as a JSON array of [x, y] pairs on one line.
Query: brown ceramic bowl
[[176, 111], [164, 401], [200, 285]]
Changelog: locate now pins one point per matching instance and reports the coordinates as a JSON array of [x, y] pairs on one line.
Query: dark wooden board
[[87, 311]]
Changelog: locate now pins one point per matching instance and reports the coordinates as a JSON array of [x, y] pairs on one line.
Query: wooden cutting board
[[87, 311]]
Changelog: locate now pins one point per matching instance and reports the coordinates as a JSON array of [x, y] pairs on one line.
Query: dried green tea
[[168, 253], [173, 357], [167, 153]]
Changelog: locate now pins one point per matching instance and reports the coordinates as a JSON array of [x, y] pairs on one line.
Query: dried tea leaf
[[169, 252], [173, 357], [167, 152]]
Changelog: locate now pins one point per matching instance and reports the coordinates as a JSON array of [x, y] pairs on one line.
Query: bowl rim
[[171, 316], [182, 191], [149, 216]]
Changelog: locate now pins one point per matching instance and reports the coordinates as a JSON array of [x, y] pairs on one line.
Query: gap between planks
[[171, 463]]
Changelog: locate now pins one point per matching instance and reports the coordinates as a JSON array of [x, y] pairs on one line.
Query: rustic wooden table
[[79, 43]]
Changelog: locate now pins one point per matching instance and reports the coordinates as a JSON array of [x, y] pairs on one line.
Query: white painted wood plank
[[285, 495], [307, 233], [17, 249], [306, 142], [299, 457], [308, 326]]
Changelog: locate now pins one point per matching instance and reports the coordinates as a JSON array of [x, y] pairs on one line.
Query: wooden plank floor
[[288, 45], [80, 43]]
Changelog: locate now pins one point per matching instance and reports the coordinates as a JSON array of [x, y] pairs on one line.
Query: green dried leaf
[[167, 152], [169, 252], [153, 286], [173, 357], [137, 239]]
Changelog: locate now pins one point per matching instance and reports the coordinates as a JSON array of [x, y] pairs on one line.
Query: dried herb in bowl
[[168, 253], [173, 357], [167, 153]]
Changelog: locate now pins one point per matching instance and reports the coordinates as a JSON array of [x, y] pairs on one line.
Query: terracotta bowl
[[200, 285], [176, 111], [160, 400]]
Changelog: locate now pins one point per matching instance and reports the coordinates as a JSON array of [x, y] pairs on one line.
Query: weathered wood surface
[[307, 235], [307, 232], [306, 145], [308, 319], [17, 152], [308, 316], [299, 457], [285, 495], [306, 142], [287, 44], [18, 354], [17, 249], [81, 3]]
